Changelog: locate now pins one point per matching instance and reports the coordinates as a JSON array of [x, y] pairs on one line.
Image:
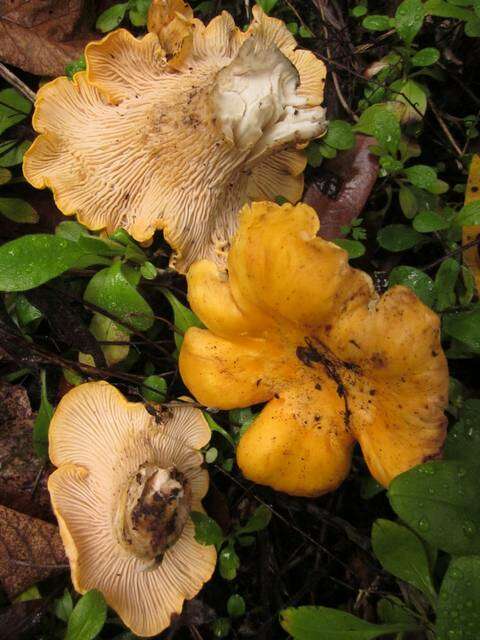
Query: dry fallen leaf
[[342, 186], [30, 550], [23, 478], [21, 619], [42, 36]]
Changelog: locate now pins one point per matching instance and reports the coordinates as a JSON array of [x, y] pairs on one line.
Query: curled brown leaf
[[341, 187]]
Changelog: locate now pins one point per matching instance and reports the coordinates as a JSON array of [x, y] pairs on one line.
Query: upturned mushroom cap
[[293, 325], [123, 491], [178, 129]]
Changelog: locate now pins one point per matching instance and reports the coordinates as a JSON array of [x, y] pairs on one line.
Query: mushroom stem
[[153, 512]]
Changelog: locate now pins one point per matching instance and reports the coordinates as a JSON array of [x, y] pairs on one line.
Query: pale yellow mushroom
[[178, 129], [123, 492]]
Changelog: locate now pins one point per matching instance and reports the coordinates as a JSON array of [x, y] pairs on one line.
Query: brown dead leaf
[[21, 619], [23, 477], [42, 36], [341, 187], [30, 550]]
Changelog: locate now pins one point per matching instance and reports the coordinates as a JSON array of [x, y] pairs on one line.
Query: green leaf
[[392, 609], [398, 237], [71, 230], [221, 627], [339, 135], [369, 488], [64, 606], [149, 271], [304, 32], [464, 326], [459, 601], [444, 9], [42, 421], [216, 427], [154, 389], [439, 501], [258, 521], [18, 210], [322, 623], [420, 283], [31, 260], [314, 154], [75, 66], [13, 108], [5, 176], [469, 214], [409, 19], [429, 221], [228, 562], [414, 98], [236, 606], [382, 124], [359, 10], [207, 531], [12, 152], [354, 248], [463, 440], [423, 176], [445, 281], [425, 57], [376, 22], [110, 290], [267, 5], [183, 317], [26, 312], [111, 17], [403, 554], [408, 202], [88, 617], [472, 27]]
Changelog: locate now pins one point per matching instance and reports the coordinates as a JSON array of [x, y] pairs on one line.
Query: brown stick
[[19, 85]]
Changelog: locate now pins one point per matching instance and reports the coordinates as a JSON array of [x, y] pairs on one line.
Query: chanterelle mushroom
[[126, 484], [178, 129], [295, 326]]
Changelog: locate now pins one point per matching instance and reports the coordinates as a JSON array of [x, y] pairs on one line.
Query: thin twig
[[461, 249], [445, 129], [19, 85]]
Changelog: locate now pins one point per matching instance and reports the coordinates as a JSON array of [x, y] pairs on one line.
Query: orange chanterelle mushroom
[[126, 484], [176, 130], [295, 326]]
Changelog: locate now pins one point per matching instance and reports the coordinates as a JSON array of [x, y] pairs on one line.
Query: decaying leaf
[[42, 36], [472, 194], [21, 619], [342, 186], [30, 550], [23, 482]]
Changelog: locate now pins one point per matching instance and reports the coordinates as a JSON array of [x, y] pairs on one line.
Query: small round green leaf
[[207, 531], [409, 19], [425, 57], [236, 606], [110, 290], [418, 281], [339, 135], [154, 389], [398, 237], [111, 17], [376, 23], [429, 221]]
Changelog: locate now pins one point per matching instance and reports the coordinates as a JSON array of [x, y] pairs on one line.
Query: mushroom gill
[[178, 129]]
